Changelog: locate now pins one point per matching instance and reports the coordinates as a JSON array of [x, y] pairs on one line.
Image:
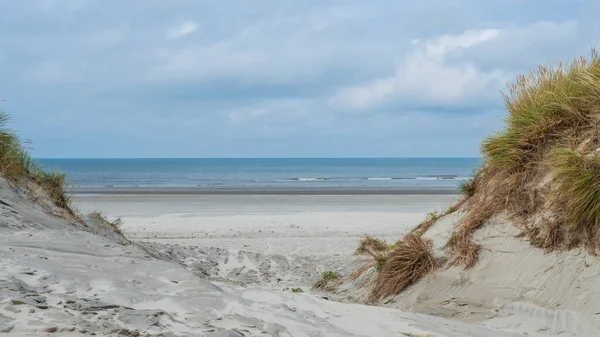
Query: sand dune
[[62, 279]]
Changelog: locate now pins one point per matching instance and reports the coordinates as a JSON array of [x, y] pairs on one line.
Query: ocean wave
[[310, 179], [275, 182]]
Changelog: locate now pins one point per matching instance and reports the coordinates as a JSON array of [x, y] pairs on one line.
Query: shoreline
[[193, 190]]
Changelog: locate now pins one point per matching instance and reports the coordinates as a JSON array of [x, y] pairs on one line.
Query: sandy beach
[[299, 169], [315, 225], [266, 241], [243, 265]]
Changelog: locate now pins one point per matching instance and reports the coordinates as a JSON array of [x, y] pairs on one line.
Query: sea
[[264, 174]]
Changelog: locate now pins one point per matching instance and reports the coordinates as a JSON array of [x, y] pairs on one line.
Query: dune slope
[[59, 277]]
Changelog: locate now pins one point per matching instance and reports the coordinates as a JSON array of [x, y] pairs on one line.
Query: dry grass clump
[[369, 244], [410, 260], [102, 219], [375, 250], [16, 165], [542, 170], [379, 253]]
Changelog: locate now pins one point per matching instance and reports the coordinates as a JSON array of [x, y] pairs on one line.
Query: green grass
[[552, 130], [467, 188], [294, 290], [577, 186], [541, 105], [326, 278], [380, 261], [330, 275], [54, 184], [16, 165]]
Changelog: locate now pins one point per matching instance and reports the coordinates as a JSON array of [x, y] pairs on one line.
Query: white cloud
[[182, 30], [425, 75], [276, 49]]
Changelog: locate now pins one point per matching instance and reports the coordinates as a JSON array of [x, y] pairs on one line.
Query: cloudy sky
[[273, 78]]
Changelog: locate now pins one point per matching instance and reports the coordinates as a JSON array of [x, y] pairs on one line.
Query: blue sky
[[273, 78]]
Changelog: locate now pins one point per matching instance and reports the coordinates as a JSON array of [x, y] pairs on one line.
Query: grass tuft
[[16, 165], [551, 131], [370, 245], [468, 187], [408, 262], [327, 278], [102, 219], [540, 105], [54, 184], [576, 187]]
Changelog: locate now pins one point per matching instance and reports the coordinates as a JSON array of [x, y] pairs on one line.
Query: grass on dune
[[54, 184], [102, 219], [552, 129], [402, 263], [409, 261], [577, 187], [327, 280], [542, 172], [371, 245], [468, 187], [16, 165], [540, 105]]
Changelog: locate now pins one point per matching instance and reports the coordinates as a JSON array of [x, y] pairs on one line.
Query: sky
[[274, 78]]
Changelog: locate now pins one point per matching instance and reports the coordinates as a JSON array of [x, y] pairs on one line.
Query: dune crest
[[524, 240]]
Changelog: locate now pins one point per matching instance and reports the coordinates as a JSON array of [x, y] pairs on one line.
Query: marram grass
[[542, 104], [542, 172], [16, 165], [576, 187]]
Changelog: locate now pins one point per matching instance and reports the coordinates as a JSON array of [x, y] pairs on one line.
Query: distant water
[[266, 173]]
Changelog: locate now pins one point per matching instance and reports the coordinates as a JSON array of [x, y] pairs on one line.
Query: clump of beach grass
[[54, 184], [577, 187], [375, 250], [326, 280], [542, 170], [370, 244], [468, 187], [103, 219], [409, 261], [15, 162], [16, 165]]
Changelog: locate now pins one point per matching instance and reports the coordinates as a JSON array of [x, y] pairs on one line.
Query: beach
[[310, 233], [285, 224], [239, 261]]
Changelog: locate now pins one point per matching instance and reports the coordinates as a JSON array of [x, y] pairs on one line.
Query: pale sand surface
[[59, 278], [272, 224]]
